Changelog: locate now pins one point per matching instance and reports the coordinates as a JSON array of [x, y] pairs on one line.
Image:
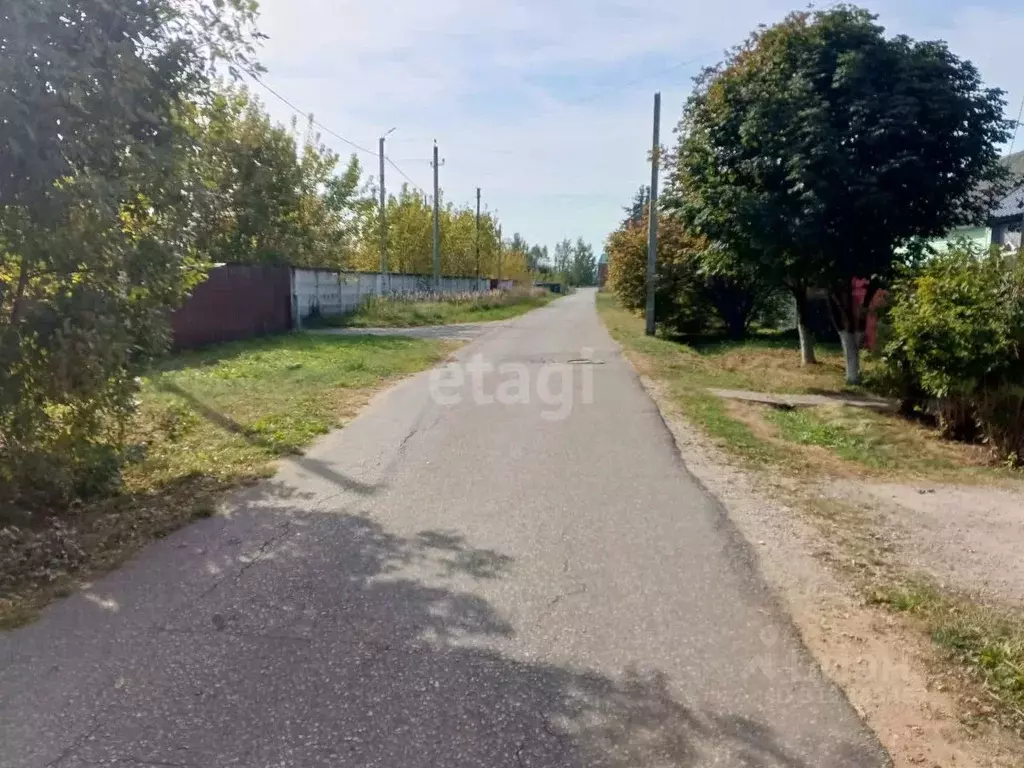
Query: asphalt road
[[531, 581]]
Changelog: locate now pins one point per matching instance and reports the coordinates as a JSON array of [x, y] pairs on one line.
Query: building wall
[[980, 236]]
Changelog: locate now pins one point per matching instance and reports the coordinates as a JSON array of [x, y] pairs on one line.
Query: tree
[[583, 269], [270, 200], [637, 209], [563, 258], [537, 256], [820, 148], [679, 301], [99, 188]]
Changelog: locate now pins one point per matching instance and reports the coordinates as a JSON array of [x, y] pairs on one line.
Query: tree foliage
[[272, 199], [679, 301], [820, 147], [98, 187], [955, 333]]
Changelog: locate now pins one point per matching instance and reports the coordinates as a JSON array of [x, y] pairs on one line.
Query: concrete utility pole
[[478, 235], [437, 233], [652, 230], [500, 249], [383, 218]]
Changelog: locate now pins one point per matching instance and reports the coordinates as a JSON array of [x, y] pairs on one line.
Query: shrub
[[955, 333]]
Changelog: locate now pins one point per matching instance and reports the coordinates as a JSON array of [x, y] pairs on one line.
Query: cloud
[[545, 105]]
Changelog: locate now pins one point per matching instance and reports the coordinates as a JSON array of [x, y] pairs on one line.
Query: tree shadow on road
[[328, 640]]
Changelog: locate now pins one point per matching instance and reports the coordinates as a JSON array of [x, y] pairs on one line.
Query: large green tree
[[583, 270], [98, 191], [821, 146], [274, 195]]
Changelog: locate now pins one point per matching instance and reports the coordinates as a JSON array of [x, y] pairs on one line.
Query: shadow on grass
[[225, 422], [295, 341], [717, 344], [290, 630]]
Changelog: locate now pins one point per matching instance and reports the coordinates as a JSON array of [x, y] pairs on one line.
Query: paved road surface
[[444, 584]]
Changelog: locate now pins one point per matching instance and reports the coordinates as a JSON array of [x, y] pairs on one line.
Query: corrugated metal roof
[[1011, 206]]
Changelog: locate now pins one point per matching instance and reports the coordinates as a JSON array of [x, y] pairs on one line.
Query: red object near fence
[[234, 302], [870, 340]]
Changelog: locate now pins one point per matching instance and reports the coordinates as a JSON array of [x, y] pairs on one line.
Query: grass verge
[[208, 421], [812, 445], [463, 308], [839, 439], [986, 643]]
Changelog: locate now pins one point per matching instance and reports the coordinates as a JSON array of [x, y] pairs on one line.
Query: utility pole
[[652, 230], [478, 236], [501, 247], [437, 233], [383, 218]]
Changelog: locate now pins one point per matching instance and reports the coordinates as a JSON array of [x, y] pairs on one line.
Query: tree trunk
[[851, 351], [847, 322], [19, 293], [806, 339]]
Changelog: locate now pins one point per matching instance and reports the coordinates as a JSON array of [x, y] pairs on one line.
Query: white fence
[[325, 292]]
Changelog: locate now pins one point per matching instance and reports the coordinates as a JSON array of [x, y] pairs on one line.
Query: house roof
[[1011, 206]]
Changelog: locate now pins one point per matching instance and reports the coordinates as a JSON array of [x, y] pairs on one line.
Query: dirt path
[[968, 538]]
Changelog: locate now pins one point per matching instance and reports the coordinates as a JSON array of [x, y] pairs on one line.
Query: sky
[[546, 104]]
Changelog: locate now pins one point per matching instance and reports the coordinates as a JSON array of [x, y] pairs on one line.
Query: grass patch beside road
[[468, 308], [812, 446], [820, 439], [208, 421]]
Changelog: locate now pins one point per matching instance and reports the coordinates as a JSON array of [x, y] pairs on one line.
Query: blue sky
[[545, 104]]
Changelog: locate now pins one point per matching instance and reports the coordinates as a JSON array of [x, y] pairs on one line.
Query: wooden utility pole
[[437, 233], [383, 219], [652, 229], [500, 249], [383, 216], [478, 236]]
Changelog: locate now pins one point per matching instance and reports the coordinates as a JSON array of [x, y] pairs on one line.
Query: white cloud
[[545, 104]]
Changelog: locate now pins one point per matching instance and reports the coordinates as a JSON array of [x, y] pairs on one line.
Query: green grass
[[867, 441], [988, 643], [806, 426], [690, 371], [229, 409], [404, 313], [208, 421]]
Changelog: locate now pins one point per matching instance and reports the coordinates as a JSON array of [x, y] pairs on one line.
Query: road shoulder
[[892, 676]]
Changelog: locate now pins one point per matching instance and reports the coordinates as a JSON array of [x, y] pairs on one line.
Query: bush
[[954, 333]]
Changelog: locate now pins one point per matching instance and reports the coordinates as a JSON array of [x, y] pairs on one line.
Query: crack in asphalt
[[77, 742], [518, 755], [579, 590]]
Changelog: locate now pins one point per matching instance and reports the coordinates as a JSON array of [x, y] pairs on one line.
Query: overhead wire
[[404, 175], [1016, 125], [315, 122]]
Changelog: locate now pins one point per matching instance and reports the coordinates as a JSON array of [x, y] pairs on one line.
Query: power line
[[405, 176], [315, 122], [1016, 125]]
